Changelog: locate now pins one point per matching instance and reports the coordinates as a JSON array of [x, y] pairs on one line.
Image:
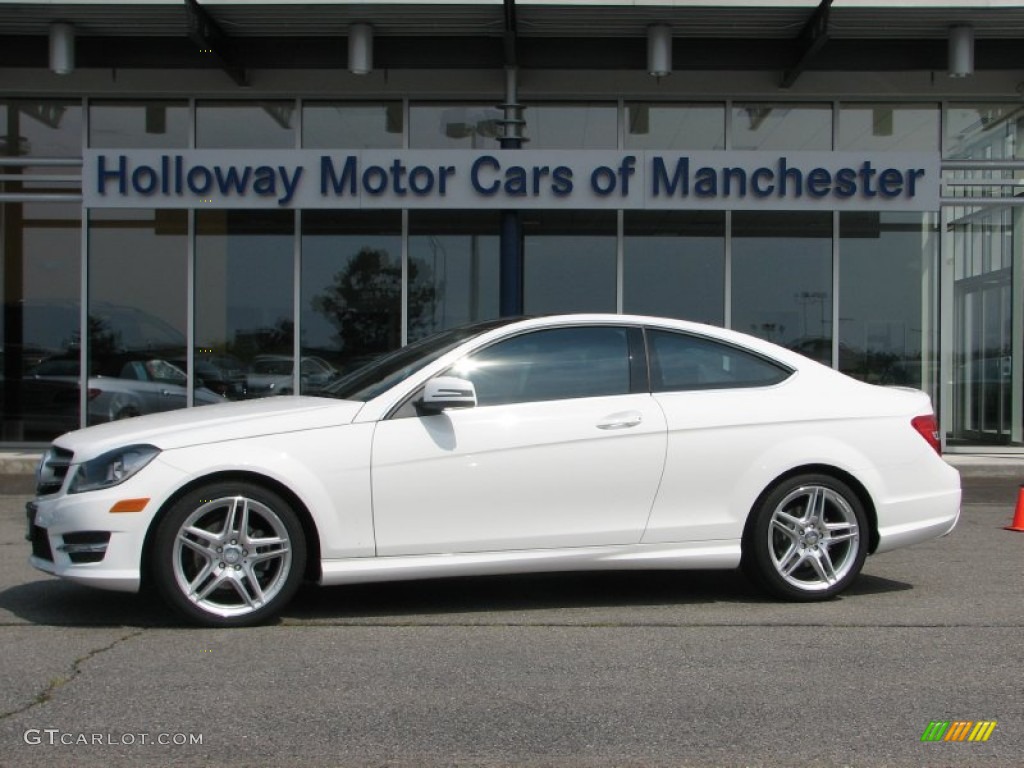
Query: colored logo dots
[[958, 730]]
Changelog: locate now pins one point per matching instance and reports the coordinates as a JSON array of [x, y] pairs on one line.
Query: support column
[[511, 236]]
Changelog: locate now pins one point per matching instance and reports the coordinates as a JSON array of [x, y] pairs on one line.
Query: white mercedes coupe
[[578, 442]]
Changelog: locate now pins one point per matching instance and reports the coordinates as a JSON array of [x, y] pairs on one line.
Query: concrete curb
[[988, 465], [17, 472]]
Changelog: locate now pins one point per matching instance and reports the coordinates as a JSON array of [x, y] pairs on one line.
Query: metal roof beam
[[811, 40], [486, 53], [205, 33]]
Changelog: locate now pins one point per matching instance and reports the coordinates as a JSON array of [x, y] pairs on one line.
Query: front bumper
[[109, 557], [78, 537]]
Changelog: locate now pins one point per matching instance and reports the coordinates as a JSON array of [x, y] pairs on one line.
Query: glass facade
[[454, 126], [138, 312], [245, 298], [241, 124], [351, 287], [782, 279], [888, 281], [771, 126], [984, 238], [41, 274], [674, 265], [154, 124], [569, 262], [202, 305], [326, 125], [453, 269], [675, 126]]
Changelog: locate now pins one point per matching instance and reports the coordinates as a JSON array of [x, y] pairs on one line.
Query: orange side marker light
[[129, 505]]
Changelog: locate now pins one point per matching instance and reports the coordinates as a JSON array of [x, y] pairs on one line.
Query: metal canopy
[[786, 36]]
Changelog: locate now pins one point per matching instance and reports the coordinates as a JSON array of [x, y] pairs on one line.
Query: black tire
[[806, 539], [229, 554]]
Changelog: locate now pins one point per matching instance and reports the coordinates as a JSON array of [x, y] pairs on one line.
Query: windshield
[[378, 376]]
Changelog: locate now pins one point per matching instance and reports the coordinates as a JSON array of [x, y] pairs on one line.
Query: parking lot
[[634, 669]]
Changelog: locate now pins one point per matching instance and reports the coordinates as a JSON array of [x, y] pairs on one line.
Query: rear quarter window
[[682, 362]]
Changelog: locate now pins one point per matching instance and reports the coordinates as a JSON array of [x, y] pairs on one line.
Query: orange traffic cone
[[1018, 515]]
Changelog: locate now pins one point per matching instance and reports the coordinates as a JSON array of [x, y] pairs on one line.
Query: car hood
[[212, 423]]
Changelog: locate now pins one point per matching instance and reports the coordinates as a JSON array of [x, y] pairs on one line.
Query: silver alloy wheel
[[231, 556], [813, 538]]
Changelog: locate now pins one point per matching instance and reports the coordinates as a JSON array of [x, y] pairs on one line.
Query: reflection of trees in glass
[[249, 342], [364, 302], [103, 340]]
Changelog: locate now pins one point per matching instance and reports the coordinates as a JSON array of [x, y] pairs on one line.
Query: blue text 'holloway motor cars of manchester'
[[578, 442]]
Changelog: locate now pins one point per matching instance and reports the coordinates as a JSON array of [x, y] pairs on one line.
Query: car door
[[724, 407], [564, 449]]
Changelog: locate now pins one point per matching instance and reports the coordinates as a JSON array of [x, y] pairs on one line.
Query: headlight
[[112, 468]]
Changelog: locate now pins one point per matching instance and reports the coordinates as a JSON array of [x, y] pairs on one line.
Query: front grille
[[53, 469]]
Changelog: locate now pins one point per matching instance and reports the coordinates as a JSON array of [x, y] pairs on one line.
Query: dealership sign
[[511, 179]]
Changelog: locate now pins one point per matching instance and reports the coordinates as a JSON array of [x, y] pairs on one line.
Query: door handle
[[623, 420]]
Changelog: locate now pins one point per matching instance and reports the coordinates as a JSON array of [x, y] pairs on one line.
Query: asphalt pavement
[[610, 669]]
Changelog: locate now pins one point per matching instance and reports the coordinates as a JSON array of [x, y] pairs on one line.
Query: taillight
[[92, 393], [928, 427]]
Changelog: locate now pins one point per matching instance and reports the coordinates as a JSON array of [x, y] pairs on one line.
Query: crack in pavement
[[57, 683]]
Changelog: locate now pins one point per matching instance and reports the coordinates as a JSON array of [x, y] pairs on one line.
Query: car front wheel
[[229, 554], [807, 539]]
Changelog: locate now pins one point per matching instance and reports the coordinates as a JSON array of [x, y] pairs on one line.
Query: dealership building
[[194, 194]]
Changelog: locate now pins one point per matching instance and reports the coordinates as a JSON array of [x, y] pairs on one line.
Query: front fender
[[328, 470]]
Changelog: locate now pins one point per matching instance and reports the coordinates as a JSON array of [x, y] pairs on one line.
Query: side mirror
[[444, 392]]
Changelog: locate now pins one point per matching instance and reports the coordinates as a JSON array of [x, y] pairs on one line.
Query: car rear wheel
[[807, 539], [229, 554]]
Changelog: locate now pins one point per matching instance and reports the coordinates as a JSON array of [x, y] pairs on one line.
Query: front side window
[[554, 364], [681, 362]]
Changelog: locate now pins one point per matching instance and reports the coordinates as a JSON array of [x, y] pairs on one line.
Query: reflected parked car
[[578, 442], [272, 375], [222, 374], [141, 387]]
